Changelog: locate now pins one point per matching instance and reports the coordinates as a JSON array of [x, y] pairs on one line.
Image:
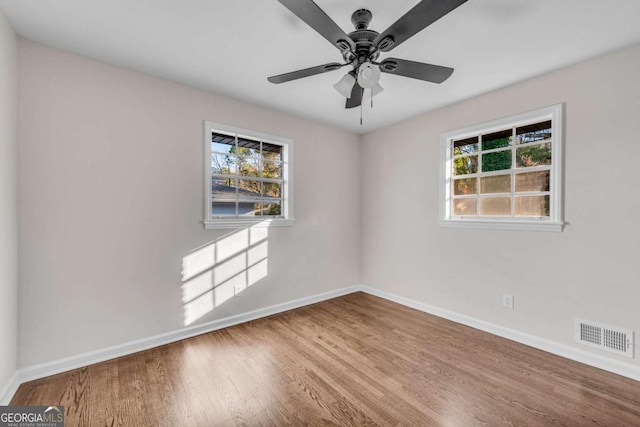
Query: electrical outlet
[[507, 300]]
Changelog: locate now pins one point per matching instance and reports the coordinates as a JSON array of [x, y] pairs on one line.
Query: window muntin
[[504, 171], [246, 177]]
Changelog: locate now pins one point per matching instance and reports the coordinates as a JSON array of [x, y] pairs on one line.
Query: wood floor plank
[[158, 371], [78, 408], [350, 361]]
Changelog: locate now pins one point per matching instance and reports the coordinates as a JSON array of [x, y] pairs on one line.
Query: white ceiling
[[231, 47]]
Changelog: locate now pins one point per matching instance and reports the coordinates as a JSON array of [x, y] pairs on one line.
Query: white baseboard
[[608, 364], [9, 389], [66, 364]]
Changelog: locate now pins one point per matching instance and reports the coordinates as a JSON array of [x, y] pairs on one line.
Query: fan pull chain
[[361, 107]]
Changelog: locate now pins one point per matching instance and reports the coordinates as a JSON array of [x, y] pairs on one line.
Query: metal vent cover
[[609, 338]]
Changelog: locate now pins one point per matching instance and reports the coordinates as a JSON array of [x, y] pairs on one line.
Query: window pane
[[271, 151], [248, 147], [465, 186], [223, 188], [223, 208], [223, 163], [273, 208], [496, 161], [534, 132], [249, 167], [256, 208], [272, 189], [249, 207], [497, 139], [495, 184], [536, 155], [532, 206], [222, 143], [249, 189], [533, 181], [495, 206], [465, 146], [465, 165], [271, 169], [464, 206]]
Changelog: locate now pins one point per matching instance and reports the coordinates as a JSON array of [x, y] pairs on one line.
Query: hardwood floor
[[351, 361]]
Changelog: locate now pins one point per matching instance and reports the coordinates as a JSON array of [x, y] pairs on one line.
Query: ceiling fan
[[361, 48]]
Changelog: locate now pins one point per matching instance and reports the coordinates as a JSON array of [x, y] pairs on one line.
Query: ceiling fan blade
[[421, 16], [317, 19], [356, 96], [294, 75], [416, 70]]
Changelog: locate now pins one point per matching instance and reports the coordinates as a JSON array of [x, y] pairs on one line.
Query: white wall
[[111, 201], [589, 270], [8, 203]]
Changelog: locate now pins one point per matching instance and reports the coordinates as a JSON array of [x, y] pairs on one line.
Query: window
[[247, 178], [504, 174]]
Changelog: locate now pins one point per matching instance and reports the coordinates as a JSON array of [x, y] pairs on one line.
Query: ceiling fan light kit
[[361, 48]]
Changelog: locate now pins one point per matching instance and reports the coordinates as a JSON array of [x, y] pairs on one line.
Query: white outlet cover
[[507, 300]]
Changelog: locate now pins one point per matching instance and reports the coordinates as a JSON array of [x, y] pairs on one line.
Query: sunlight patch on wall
[[232, 244], [257, 272], [222, 269], [198, 261]]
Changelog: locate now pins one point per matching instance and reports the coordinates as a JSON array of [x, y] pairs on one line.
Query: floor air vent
[[605, 337]]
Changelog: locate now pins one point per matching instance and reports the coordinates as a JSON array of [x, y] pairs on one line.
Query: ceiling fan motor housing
[[363, 38]]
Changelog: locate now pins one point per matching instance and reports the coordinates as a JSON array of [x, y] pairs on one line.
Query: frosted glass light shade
[[345, 85], [376, 90], [368, 75]]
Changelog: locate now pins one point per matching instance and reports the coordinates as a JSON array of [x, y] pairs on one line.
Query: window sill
[[249, 222], [504, 225]]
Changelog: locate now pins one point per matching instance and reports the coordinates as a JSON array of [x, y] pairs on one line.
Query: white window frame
[[555, 221], [286, 219]]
